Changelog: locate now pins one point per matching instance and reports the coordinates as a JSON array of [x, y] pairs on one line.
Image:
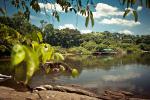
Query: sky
[[108, 16]]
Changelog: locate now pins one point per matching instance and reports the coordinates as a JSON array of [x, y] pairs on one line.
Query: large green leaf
[[46, 52], [17, 55], [32, 63]]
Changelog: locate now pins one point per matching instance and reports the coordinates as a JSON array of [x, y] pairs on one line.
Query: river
[[127, 72]]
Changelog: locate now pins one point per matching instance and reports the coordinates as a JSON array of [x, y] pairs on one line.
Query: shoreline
[[75, 92]]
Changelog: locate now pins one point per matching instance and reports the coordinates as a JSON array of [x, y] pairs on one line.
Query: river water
[[128, 72]]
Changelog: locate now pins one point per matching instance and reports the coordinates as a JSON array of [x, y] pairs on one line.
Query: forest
[[17, 29]]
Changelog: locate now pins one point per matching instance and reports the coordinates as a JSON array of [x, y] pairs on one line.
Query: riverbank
[[70, 92]]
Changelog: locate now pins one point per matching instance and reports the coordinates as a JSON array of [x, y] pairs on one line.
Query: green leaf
[[124, 1], [35, 5], [46, 52], [92, 19], [135, 16], [75, 11], [80, 3], [126, 12], [56, 15], [40, 37], [128, 2], [17, 55], [35, 45], [87, 21], [58, 56], [2, 10], [32, 63]]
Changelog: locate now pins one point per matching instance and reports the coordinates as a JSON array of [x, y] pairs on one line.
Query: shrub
[[78, 50]]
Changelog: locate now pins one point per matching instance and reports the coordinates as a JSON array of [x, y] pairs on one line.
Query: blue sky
[[108, 15]]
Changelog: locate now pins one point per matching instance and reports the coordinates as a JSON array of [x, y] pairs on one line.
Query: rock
[[137, 99], [40, 88], [4, 77], [55, 70], [48, 87], [127, 93], [114, 93], [105, 98]]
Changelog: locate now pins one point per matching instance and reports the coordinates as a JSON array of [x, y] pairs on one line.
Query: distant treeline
[[16, 29]]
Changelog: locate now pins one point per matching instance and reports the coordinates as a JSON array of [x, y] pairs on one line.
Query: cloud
[[70, 26], [105, 10], [34, 17], [139, 8], [86, 31], [126, 32], [50, 6], [119, 21], [122, 77]]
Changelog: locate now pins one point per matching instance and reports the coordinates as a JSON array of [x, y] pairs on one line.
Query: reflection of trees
[[5, 67], [106, 62], [85, 62]]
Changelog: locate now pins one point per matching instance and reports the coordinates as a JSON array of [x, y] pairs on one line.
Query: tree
[[8, 37], [19, 23], [73, 5]]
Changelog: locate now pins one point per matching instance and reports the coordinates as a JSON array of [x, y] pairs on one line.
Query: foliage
[[145, 47], [8, 37], [30, 58], [65, 38], [34, 36], [71, 5], [95, 41], [100, 47], [19, 23], [60, 49], [91, 45], [23, 54], [78, 50]]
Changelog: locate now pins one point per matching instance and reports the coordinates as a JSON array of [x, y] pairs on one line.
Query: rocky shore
[[70, 92]]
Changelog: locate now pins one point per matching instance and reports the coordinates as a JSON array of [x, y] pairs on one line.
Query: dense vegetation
[[18, 30], [84, 7], [97, 41]]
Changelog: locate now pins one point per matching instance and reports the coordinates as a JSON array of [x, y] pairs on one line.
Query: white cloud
[[105, 10], [34, 17], [70, 26], [126, 32], [119, 21], [50, 6], [86, 31], [122, 77], [139, 8]]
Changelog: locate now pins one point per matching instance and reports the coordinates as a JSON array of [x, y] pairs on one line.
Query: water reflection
[[128, 72]]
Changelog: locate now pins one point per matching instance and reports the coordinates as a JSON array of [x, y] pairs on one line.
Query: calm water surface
[[129, 72]]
